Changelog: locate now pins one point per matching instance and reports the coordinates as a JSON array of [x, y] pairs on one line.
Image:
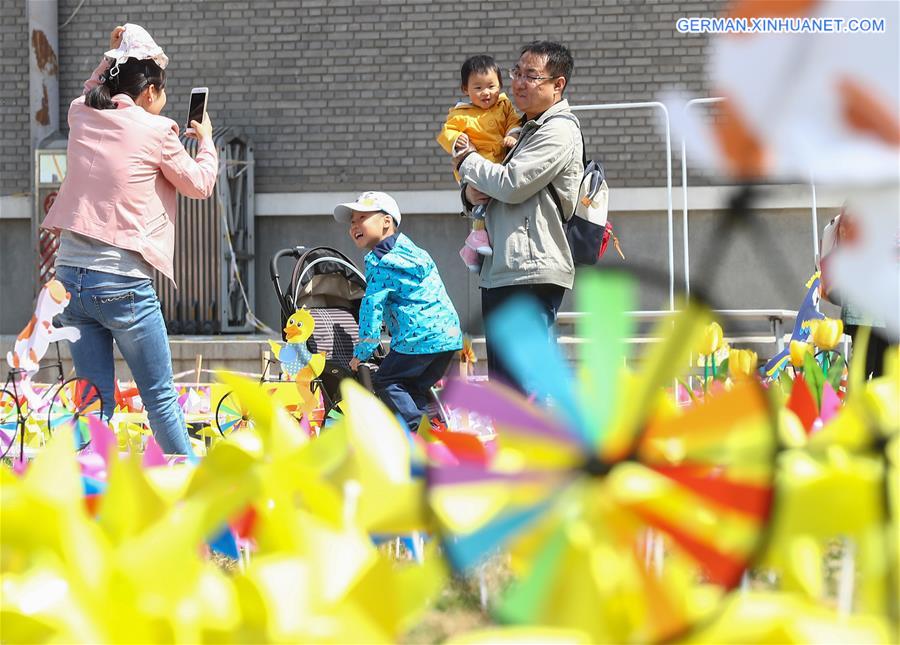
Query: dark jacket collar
[[384, 246]]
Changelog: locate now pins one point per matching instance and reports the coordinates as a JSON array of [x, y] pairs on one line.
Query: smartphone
[[198, 105]]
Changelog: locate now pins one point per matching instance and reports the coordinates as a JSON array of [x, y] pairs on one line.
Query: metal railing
[[776, 319], [684, 196], [656, 105]]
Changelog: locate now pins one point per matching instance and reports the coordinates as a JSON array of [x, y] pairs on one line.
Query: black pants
[[548, 298], [878, 345], [404, 381]]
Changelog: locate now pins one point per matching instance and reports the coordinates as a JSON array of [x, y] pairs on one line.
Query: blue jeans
[[403, 382], [107, 307]]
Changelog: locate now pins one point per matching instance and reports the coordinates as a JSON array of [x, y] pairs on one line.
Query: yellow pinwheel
[[848, 467], [138, 573]]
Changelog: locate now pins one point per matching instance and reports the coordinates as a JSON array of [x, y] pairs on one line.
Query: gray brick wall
[[342, 94], [14, 120]]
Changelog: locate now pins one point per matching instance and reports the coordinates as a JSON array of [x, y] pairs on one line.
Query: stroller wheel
[[231, 415]]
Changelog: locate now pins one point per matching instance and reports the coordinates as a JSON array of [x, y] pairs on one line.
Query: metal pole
[[815, 221], [684, 218], [684, 193], [43, 95], [43, 69], [658, 106], [669, 211]]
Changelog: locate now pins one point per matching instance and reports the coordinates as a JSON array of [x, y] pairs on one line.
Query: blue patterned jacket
[[405, 291]]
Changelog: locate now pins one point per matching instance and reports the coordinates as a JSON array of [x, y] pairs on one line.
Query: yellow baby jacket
[[485, 128]]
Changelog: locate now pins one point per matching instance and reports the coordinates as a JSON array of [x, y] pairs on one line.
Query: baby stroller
[[329, 285]]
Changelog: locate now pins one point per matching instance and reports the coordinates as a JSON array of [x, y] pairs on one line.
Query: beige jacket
[[522, 220]]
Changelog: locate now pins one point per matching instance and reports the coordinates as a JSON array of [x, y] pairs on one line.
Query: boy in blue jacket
[[405, 291]]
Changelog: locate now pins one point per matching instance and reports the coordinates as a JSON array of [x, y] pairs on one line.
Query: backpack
[[588, 229]]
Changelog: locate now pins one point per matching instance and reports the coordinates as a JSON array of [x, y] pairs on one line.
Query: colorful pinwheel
[[73, 404], [626, 518]]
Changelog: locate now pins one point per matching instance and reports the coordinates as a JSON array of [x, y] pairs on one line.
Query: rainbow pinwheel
[[74, 403], [626, 517], [9, 423]]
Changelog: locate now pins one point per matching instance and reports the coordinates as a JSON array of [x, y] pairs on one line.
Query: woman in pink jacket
[[115, 213]]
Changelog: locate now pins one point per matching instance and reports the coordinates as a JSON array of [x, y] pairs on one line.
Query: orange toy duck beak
[[291, 332]]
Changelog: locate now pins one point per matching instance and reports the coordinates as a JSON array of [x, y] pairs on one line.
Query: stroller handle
[[295, 252], [364, 375]]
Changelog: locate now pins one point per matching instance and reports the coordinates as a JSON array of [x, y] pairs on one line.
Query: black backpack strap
[[584, 160], [555, 195]]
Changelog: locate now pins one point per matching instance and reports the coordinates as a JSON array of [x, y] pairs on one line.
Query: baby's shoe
[[479, 241], [470, 257]]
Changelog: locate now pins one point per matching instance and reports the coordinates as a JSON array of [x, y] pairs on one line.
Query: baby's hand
[[462, 142], [510, 140], [115, 37]]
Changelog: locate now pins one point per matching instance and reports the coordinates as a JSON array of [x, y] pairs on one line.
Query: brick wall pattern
[[15, 164], [347, 94]]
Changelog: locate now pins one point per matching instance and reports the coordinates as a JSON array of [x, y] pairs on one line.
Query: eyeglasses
[[516, 74]]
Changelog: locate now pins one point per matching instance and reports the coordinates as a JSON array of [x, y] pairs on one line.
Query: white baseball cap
[[369, 202]]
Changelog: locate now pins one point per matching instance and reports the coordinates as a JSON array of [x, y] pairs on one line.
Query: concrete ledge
[[621, 200], [439, 202], [15, 206], [234, 353], [245, 354]]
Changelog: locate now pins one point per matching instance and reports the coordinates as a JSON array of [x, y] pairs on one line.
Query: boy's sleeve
[[371, 315], [453, 127]]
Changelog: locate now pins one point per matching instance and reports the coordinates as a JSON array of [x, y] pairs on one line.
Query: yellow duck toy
[[297, 362]]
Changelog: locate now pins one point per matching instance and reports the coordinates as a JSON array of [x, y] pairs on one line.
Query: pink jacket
[[124, 168]]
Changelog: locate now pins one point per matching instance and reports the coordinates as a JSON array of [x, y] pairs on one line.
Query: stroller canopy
[[325, 277]]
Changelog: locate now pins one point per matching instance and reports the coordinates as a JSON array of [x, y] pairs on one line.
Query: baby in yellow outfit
[[489, 122]]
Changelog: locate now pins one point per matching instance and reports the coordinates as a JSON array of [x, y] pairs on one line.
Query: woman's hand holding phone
[[200, 129]]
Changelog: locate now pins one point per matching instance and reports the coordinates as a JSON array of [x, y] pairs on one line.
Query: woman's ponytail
[[100, 97], [132, 78]]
